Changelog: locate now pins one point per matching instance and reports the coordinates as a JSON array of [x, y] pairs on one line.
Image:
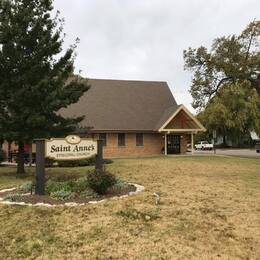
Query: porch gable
[[182, 121]]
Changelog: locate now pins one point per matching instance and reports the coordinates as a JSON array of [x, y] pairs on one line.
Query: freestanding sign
[[70, 148]]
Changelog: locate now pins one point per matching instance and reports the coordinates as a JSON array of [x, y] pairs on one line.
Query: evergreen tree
[[35, 73]]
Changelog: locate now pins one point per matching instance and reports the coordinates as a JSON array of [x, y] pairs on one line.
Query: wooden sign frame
[[40, 164]]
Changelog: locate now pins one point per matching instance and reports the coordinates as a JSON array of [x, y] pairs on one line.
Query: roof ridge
[[129, 80]]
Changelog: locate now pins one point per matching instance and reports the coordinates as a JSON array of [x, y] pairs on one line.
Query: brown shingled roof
[[123, 105]]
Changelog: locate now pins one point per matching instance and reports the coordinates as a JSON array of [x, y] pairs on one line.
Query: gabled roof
[[196, 125], [124, 105]]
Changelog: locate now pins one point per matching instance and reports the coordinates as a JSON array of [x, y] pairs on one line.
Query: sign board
[[70, 148]]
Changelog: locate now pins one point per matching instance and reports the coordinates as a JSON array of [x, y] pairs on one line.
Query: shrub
[[88, 192], [120, 184], [13, 197], [77, 163], [26, 187], [53, 186], [59, 177], [2, 155], [81, 185], [62, 194], [49, 162], [100, 181], [78, 185], [107, 161], [80, 163]]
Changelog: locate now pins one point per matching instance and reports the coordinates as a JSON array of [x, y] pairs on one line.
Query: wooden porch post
[[192, 143], [165, 144]]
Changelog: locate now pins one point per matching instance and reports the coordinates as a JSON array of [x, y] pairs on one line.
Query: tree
[[226, 82], [234, 112], [232, 59], [34, 73]]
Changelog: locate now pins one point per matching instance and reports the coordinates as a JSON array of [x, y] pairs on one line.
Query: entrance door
[[173, 144]]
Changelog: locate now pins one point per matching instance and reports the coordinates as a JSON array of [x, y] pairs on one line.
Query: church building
[[135, 118]]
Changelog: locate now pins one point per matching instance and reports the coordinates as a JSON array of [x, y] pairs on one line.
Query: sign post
[[99, 156], [40, 167]]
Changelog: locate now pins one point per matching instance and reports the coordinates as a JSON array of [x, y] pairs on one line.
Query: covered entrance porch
[[177, 143], [178, 131]]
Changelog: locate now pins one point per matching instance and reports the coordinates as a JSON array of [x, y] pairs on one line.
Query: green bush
[[80, 163], [81, 184], [100, 181], [77, 186], [62, 194], [49, 162], [53, 186], [88, 192], [77, 163], [2, 155], [26, 187], [120, 184], [13, 197], [61, 177]]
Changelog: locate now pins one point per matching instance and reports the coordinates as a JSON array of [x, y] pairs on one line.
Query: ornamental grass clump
[[101, 181], [13, 197], [26, 187], [62, 194]]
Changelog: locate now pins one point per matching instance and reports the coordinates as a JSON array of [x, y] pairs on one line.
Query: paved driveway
[[232, 152]]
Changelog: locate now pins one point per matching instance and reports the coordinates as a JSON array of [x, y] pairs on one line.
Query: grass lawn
[[210, 209]]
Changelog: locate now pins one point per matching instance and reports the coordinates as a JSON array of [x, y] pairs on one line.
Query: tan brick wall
[[153, 144]]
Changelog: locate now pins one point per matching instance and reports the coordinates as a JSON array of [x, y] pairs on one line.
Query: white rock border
[[139, 188]]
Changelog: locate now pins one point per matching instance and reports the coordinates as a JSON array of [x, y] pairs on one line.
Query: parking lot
[[231, 152]]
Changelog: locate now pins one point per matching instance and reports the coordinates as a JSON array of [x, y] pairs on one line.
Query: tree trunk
[[20, 159], [30, 154], [9, 151]]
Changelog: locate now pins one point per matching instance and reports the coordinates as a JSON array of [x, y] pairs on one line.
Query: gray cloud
[[145, 39]]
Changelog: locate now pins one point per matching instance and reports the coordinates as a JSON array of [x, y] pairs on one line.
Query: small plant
[[53, 186], [101, 181], [120, 184], [88, 193], [81, 185], [62, 194], [26, 187], [133, 214], [13, 197]]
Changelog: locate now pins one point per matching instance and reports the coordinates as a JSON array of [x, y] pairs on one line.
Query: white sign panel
[[70, 148]]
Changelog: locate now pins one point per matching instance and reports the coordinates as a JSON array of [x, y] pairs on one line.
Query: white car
[[203, 145]]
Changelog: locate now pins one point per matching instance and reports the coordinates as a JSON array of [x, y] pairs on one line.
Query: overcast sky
[[145, 39]]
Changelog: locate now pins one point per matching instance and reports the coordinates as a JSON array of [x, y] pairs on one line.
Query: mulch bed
[[34, 199]]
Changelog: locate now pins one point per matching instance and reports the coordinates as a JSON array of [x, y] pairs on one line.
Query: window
[[121, 139], [103, 137], [139, 139]]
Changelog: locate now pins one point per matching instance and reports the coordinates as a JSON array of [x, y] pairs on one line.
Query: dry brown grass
[[210, 209]]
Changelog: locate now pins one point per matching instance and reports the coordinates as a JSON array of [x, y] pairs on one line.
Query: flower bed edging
[[139, 188]]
